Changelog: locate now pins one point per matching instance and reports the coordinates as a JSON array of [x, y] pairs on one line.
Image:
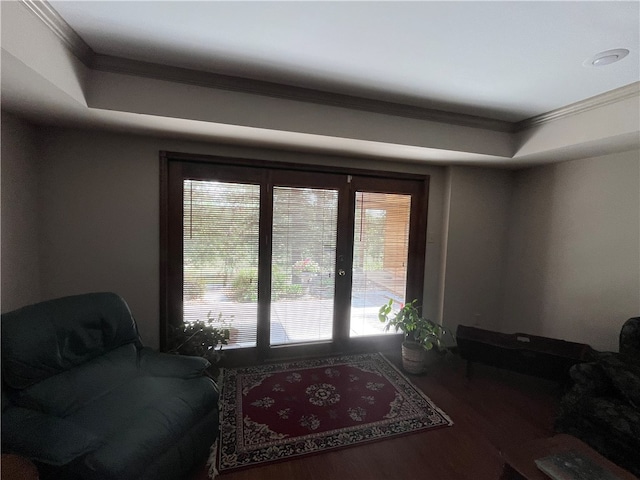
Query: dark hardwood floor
[[492, 411]]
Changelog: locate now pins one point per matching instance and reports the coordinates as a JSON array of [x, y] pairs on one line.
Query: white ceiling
[[502, 60]]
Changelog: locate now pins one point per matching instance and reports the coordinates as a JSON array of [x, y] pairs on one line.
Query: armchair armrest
[[169, 365], [590, 378], [45, 438]]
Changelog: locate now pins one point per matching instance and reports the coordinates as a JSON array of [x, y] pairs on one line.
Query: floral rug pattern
[[280, 411]]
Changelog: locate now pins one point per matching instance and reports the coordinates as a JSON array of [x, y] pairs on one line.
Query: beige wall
[[552, 250], [99, 220], [100, 214], [573, 264], [476, 225], [20, 278]]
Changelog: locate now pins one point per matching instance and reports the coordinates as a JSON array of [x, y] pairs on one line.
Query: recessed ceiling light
[[606, 57]]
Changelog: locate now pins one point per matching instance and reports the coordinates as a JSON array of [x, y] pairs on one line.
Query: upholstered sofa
[[84, 399], [603, 406]]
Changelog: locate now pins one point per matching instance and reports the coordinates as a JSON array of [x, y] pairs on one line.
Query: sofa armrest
[[45, 438], [170, 365]]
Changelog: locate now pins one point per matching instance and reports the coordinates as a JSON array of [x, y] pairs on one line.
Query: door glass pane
[[220, 241], [380, 252], [303, 263]]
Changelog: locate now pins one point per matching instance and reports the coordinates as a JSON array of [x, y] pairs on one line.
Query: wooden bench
[[530, 354]]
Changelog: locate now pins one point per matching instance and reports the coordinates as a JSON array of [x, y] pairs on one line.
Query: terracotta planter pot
[[413, 357]]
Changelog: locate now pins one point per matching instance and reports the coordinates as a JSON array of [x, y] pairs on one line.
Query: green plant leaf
[[409, 320]]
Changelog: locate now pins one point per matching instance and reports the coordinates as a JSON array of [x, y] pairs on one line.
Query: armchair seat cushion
[[180, 401], [143, 417], [37, 435], [66, 392]]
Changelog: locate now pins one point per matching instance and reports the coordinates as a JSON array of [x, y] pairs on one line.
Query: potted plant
[[421, 334], [203, 338]]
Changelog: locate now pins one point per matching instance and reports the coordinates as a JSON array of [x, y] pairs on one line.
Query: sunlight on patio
[[287, 326]]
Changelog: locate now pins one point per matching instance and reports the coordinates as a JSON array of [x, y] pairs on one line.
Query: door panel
[[380, 253], [220, 257], [303, 264]]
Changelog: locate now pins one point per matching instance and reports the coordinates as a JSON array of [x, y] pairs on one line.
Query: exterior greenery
[[221, 240], [306, 266], [244, 286]]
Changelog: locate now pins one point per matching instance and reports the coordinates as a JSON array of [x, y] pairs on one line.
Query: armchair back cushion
[[61, 334], [630, 338]]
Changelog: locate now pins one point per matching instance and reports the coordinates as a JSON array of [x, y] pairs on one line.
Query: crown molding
[[52, 19], [592, 103], [121, 65], [107, 63]]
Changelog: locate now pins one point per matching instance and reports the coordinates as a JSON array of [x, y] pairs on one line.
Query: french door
[[293, 262]]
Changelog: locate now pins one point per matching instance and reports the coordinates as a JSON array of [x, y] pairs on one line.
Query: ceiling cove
[[109, 63]]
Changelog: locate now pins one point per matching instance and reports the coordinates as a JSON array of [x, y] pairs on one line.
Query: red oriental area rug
[[281, 411]]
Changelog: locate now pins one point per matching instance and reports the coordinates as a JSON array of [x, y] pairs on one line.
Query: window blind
[[303, 263], [380, 252], [220, 264]]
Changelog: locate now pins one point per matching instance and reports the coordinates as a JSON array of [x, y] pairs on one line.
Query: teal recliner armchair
[[84, 399]]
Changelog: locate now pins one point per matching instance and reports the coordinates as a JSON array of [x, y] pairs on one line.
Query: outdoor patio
[[304, 319]]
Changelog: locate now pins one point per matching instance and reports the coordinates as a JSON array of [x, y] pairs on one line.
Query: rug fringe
[[212, 461], [219, 381], [424, 395]]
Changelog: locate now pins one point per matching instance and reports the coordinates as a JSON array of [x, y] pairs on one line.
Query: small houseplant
[[203, 338], [421, 334]]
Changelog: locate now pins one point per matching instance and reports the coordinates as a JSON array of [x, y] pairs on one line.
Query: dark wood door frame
[[174, 167]]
